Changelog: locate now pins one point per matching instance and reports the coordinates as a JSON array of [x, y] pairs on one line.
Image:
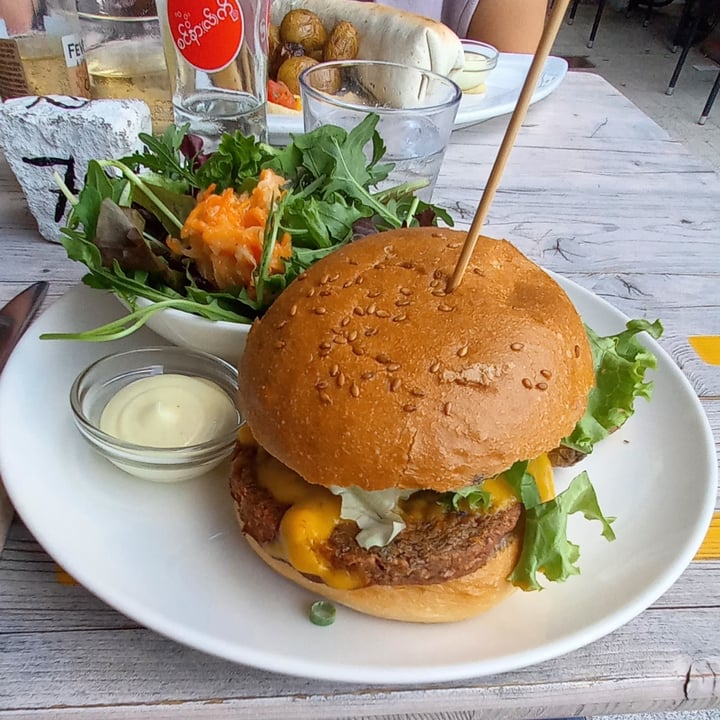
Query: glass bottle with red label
[[41, 50], [216, 52]]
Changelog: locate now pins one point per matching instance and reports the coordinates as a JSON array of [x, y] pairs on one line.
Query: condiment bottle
[[216, 51], [41, 51], [125, 56]]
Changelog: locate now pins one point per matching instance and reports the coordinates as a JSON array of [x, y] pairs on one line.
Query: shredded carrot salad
[[224, 233]]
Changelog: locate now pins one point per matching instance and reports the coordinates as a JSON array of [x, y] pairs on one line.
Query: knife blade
[[17, 315]]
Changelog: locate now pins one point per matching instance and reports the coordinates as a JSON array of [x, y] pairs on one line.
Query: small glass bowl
[[480, 61], [100, 381]]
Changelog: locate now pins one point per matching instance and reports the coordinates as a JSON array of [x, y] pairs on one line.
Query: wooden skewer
[[543, 50]]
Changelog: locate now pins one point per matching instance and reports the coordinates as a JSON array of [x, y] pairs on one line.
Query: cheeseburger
[[395, 457]]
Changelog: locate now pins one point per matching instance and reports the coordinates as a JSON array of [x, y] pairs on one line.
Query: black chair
[[696, 14], [632, 6]]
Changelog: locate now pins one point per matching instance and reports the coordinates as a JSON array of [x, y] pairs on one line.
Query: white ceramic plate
[[503, 90], [172, 558]]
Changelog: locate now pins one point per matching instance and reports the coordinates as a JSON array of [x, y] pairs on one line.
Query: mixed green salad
[[120, 222]]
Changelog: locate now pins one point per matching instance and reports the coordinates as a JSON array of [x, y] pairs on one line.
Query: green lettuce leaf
[[546, 548], [620, 363]]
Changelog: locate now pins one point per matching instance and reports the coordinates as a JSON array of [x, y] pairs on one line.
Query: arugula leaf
[[620, 363], [546, 548]]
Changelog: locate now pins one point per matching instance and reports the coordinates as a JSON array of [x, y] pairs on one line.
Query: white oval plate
[[503, 90], [172, 557]]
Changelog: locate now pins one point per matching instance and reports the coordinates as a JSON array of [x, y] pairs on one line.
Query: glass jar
[[124, 53], [41, 51]]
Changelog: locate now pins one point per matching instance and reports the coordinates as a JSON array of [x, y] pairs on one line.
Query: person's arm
[[509, 25]]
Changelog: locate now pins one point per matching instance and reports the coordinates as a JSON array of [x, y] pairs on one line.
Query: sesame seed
[[434, 367], [352, 336], [478, 271], [357, 350], [542, 386], [463, 351], [340, 340], [382, 314], [326, 398], [405, 291], [311, 292], [454, 245], [516, 346], [379, 266], [321, 385], [371, 331], [402, 303], [334, 370], [447, 408], [368, 375], [359, 280], [577, 351], [281, 325], [354, 390], [434, 283], [527, 382], [438, 273], [407, 265], [352, 261], [371, 309], [280, 344], [344, 322], [336, 331], [302, 276], [417, 392], [382, 358], [461, 381], [439, 293], [348, 283], [325, 346], [325, 293], [445, 308], [358, 311], [395, 384], [334, 277], [320, 310], [293, 310], [392, 367], [400, 318], [546, 374], [373, 293], [409, 407], [324, 279], [438, 235], [340, 380]]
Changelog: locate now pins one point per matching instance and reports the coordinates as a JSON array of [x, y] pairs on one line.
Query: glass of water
[[416, 108]]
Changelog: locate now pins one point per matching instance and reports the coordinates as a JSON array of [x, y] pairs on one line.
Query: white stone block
[[57, 133]]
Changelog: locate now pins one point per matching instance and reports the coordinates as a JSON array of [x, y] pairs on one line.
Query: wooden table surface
[[594, 190]]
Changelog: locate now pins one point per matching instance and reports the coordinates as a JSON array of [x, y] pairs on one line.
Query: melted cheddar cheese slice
[[314, 512]]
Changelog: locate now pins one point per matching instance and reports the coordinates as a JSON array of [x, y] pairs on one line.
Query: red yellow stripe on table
[[707, 347], [710, 548]]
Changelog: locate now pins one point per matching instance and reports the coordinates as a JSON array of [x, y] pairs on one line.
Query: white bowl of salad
[[197, 246]]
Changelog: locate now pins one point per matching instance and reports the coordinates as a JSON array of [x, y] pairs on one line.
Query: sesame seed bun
[[365, 372]]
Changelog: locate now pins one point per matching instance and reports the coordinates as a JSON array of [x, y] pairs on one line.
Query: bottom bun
[[456, 599]]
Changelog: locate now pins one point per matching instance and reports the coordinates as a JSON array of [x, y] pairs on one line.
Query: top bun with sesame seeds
[[365, 373]]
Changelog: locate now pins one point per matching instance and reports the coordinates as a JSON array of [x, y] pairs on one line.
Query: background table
[[594, 190]]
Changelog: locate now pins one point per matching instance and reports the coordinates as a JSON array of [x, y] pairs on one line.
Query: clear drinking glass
[[416, 108], [125, 56], [41, 50], [217, 54]]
